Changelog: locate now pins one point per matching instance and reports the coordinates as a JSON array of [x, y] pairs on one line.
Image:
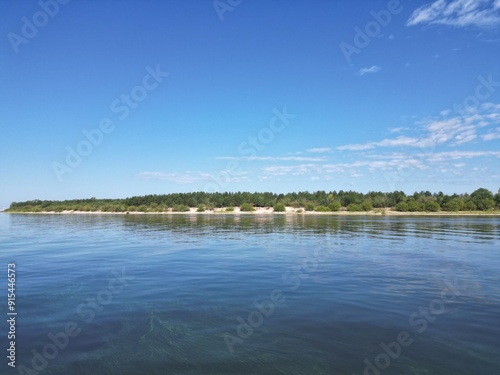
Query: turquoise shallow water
[[253, 295]]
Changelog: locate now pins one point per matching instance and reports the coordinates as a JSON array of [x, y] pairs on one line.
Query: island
[[480, 201]]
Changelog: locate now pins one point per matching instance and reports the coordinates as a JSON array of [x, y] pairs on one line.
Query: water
[[144, 294]]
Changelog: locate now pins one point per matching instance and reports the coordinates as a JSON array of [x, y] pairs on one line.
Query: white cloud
[[389, 142], [352, 167], [457, 155], [454, 131], [492, 135], [371, 69], [397, 130], [319, 150], [459, 13], [270, 158]]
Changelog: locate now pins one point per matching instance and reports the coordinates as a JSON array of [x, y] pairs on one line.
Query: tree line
[[480, 200]]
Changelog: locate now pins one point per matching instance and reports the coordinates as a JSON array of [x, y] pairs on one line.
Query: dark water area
[[229, 294]]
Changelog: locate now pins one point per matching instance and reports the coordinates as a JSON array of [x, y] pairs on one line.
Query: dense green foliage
[[180, 208], [247, 207], [319, 201], [279, 207]]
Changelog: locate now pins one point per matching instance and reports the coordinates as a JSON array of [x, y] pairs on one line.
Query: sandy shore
[[269, 211]]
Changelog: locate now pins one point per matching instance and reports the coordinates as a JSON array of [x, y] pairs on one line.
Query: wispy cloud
[[397, 130], [453, 131], [353, 167], [320, 150], [371, 69], [458, 13], [495, 134], [270, 158], [457, 155]]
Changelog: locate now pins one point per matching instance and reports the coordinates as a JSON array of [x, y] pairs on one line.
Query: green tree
[[334, 206], [367, 205], [401, 206], [431, 206], [454, 204], [483, 199], [469, 205]]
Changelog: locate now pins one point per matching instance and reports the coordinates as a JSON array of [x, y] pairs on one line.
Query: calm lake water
[[253, 295]]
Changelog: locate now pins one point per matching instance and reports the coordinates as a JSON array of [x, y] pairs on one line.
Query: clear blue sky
[[413, 105]]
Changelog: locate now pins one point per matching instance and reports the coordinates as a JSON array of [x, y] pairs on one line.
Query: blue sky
[[231, 95]]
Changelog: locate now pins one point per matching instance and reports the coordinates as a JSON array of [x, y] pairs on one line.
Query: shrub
[[487, 204], [201, 208], [229, 209], [401, 206], [180, 208], [279, 207], [354, 207], [247, 207], [334, 206], [432, 206], [367, 205], [414, 206], [453, 205], [470, 206], [309, 206], [321, 209]]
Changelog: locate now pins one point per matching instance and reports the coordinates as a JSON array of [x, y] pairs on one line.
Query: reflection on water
[[176, 294]]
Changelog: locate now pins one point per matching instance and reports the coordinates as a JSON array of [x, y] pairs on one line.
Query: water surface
[[181, 294]]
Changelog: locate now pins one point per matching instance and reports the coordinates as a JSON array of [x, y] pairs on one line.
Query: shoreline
[[269, 211]]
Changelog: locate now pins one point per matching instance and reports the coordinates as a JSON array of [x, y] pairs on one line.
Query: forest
[[320, 201]]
